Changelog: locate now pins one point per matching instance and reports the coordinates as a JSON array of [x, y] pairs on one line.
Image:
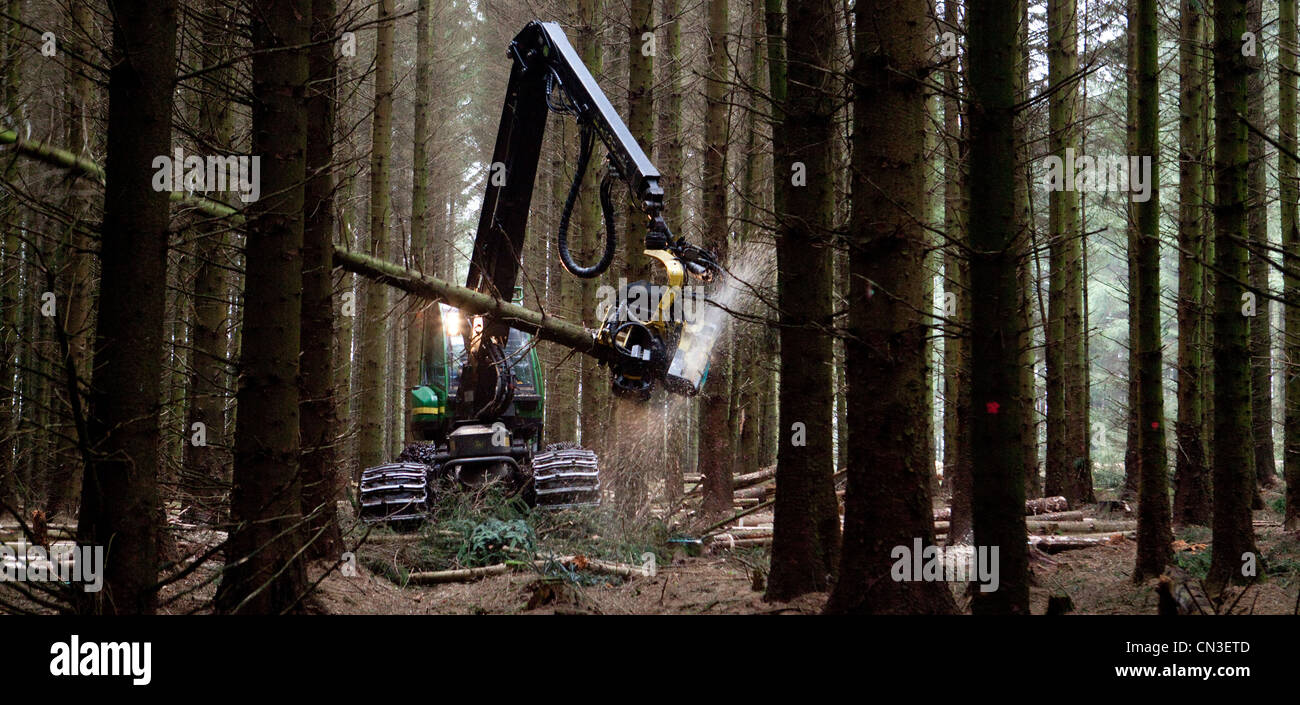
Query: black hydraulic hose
[[584, 158], [503, 394]]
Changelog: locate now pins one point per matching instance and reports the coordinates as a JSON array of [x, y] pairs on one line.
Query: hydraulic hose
[[584, 158], [503, 393]]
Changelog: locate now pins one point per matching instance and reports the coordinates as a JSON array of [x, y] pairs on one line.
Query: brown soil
[[704, 585], [1096, 580]]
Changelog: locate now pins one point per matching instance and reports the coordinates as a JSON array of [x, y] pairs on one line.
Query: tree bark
[[631, 452], [1289, 194], [957, 438], [264, 571], [206, 467], [1027, 274], [1132, 444], [1261, 333], [317, 422], [716, 452], [1232, 473], [594, 411], [10, 340], [420, 208], [374, 322], [119, 502], [1154, 536], [1191, 476], [998, 490], [1067, 430], [805, 548], [73, 277], [887, 502]]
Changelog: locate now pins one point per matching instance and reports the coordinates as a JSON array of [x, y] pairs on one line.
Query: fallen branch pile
[[461, 575]]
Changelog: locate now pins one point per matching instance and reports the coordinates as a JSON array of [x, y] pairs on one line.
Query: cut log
[[1056, 544], [1042, 505], [611, 568], [474, 303], [1075, 515], [579, 562], [758, 492], [736, 516], [595, 565], [1076, 527], [747, 531], [733, 543], [753, 478], [456, 576]]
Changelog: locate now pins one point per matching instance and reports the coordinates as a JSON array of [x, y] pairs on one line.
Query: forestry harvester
[[477, 412]]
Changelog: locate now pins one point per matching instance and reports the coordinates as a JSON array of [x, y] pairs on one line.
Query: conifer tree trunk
[[1289, 194], [715, 460], [805, 547], [206, 466], [74, 273], [957, 438], [1132, 441], [595, 380], [374, 322], [1191, 493], [1232, 474], [1153, 487], [1027, 273], [318, 423], [887, 502], [265, 572], [1207, 227], [420, 220], [11, 266], [631, 453], [998, 490], [1066, 394], [1261, 333], [119, 501]]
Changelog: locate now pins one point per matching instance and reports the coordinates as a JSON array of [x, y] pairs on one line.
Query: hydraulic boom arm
[[547, 74], [644, 344]]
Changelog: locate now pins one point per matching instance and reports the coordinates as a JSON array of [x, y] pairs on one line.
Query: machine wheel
[[395, 493], [565, 475]]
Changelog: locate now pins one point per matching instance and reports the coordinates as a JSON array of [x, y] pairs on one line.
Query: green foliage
[[494, 541], [1283, 562], [1197, 564], [1194, 534], [1278, 504], [599, 532], [393, 572], [1108, 476]]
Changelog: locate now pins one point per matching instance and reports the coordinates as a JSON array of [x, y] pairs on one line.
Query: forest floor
[[1096, 580]]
